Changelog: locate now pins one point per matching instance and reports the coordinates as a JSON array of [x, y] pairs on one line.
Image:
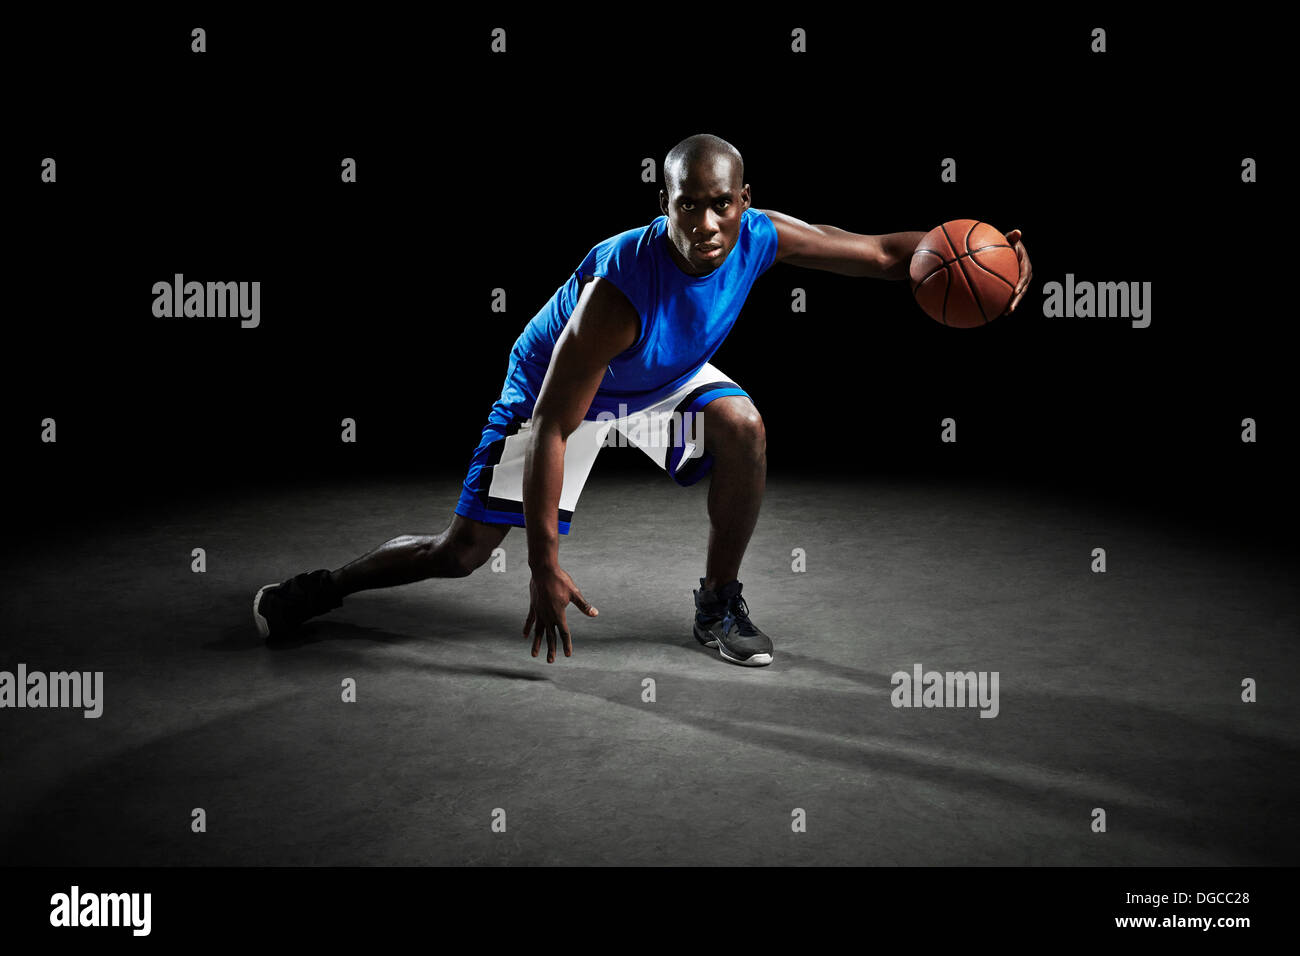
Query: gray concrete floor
[[1118, 691]]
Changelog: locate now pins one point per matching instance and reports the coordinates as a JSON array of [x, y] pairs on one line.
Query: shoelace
[[737, 616]]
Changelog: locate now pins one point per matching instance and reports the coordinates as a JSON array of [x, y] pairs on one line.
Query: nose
[[708, 227]]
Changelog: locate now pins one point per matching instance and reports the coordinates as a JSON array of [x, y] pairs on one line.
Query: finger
[[537, 636], [566, 639], [1026, 273], [528, 624], [1022, 287], [1013, 237], [581, 603], [550, 643]]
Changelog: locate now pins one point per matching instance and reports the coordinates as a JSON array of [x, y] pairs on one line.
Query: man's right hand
[[549, 593]]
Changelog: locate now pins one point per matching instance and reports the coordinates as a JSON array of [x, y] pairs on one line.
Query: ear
[[744, 194], [663, 201]]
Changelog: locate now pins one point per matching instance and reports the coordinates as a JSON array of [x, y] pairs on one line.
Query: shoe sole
[[263, 627], [754, 660]]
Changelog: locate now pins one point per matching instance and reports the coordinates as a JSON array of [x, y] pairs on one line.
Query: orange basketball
[[964, 273]]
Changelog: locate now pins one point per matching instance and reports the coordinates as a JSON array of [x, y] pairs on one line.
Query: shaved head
[[701, 150]]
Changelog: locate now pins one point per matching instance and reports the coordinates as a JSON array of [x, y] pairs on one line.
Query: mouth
[[709, 250]]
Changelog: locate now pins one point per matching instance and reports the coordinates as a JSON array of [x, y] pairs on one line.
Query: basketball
[[964, 273]]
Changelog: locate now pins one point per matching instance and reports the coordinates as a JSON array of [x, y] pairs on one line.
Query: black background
[[479, 170]]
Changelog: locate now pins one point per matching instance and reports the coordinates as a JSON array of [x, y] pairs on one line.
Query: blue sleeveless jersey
[[684, 318]]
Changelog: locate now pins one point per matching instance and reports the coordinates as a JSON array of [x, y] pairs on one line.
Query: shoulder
[[629, 248], [625, 265], [605, 313], [783, 224], [760, 221], [791, 233], [604, 294], [763, 234]]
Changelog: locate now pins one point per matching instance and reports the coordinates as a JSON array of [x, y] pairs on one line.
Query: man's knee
[[732, 425], [461, 550]]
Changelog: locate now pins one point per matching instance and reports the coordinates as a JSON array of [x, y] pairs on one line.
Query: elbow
[[545, 429], [893, 266]]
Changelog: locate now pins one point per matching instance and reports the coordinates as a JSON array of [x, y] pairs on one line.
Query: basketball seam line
[[947, 286], [917, 290], [974, 292], [992, 273], [947, 262], [965, 242]]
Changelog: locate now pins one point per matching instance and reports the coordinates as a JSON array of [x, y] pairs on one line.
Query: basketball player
[[625, 343]]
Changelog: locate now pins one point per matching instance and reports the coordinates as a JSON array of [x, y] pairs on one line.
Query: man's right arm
[[604, 324]]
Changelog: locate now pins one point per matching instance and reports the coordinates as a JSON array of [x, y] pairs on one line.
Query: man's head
[[704, 196]]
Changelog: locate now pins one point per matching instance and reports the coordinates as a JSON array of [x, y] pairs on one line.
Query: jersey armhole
[[640, 317]]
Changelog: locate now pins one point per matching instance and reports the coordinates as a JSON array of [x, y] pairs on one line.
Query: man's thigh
[[674, 432]]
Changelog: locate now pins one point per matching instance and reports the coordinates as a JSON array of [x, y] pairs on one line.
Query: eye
[[688, 206], [723, 203]]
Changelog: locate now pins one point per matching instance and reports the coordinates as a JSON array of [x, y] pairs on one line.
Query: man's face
[[704, 210]]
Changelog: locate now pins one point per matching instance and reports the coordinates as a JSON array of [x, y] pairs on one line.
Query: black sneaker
[[722, 621], [279, 609]]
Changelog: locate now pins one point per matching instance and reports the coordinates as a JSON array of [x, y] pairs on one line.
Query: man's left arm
[[878, 257]]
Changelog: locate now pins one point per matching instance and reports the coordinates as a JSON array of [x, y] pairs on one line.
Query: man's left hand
[[1026, 270]]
